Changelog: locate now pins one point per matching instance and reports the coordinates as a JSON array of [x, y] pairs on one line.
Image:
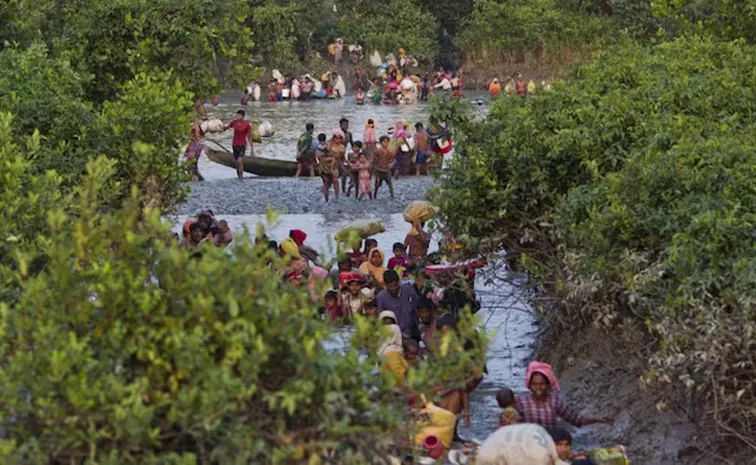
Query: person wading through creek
[[328, 164], [543, 405], [306, 150], [242, 136]]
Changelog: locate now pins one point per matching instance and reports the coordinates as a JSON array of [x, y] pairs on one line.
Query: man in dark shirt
[[403, 301]]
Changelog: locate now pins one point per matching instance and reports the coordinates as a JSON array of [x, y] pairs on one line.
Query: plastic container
[[433, 446]]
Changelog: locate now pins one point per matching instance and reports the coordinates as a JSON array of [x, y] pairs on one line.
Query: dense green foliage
[[726, 19], [396, 24], [628, 194], [511, 31], [150, 111], [47, 94], [120, 348]]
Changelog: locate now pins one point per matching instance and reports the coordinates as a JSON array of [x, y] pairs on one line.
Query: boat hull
[[255, 165]]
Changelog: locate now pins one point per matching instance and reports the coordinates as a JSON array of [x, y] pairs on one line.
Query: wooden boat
[[255, 165]]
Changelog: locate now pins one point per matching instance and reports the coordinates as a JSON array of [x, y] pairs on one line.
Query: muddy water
[[511, 324], [243, 204], [289, 119]]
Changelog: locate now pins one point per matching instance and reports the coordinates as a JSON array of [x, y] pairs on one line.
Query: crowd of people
[[205, 229], [348, 165], [416, 309], [280, 88], [395, 81]]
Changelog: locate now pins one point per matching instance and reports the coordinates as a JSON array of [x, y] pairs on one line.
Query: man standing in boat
[[242, 136]]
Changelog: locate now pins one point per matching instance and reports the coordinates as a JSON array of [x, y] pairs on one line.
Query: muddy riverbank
[[296, 196]]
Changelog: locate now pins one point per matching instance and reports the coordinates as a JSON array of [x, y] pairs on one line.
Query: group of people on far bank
[[516, 85]]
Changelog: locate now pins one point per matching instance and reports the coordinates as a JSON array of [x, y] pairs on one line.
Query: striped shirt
[[547, 413]]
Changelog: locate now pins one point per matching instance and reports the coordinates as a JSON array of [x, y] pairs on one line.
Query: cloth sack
[[523, 444]]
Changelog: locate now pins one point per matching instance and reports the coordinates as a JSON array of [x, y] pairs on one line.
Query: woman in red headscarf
[[543, 405], [308, 253]]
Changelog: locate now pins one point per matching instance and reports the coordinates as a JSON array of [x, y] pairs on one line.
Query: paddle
[[219, 145]]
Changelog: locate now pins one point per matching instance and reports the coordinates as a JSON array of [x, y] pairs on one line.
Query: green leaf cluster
[[627, 192], [513, 30], [121, 348], [393, 25]]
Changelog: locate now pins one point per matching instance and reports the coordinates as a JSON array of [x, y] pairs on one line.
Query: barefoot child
[[363, 168], [328, 164], [354, 172], [384, 163]]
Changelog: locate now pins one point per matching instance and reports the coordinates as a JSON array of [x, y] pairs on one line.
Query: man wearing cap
[[403, 301]]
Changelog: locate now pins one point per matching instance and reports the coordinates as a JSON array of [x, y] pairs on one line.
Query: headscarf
[[290, 248], [399, 131], [544, 369], [338, 133], [349, 276], [317, 276], [393, 342], [298, 235], [375, 271]]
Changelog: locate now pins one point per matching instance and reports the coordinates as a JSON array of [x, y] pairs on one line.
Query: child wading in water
[[363, 167], [352, 161], [370, 141]]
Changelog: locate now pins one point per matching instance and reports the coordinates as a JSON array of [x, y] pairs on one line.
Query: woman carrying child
[[328, 163], [400, 134]]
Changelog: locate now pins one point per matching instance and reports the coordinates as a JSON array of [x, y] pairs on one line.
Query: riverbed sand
[[294, 196]]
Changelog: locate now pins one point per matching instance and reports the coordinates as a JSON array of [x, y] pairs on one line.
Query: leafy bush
[[397, 24], [47, 94], [123, 348], [153, 111], [513, 30], [726, 20], [628, 194], [24, 193], [116, 40], [276, 30]]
